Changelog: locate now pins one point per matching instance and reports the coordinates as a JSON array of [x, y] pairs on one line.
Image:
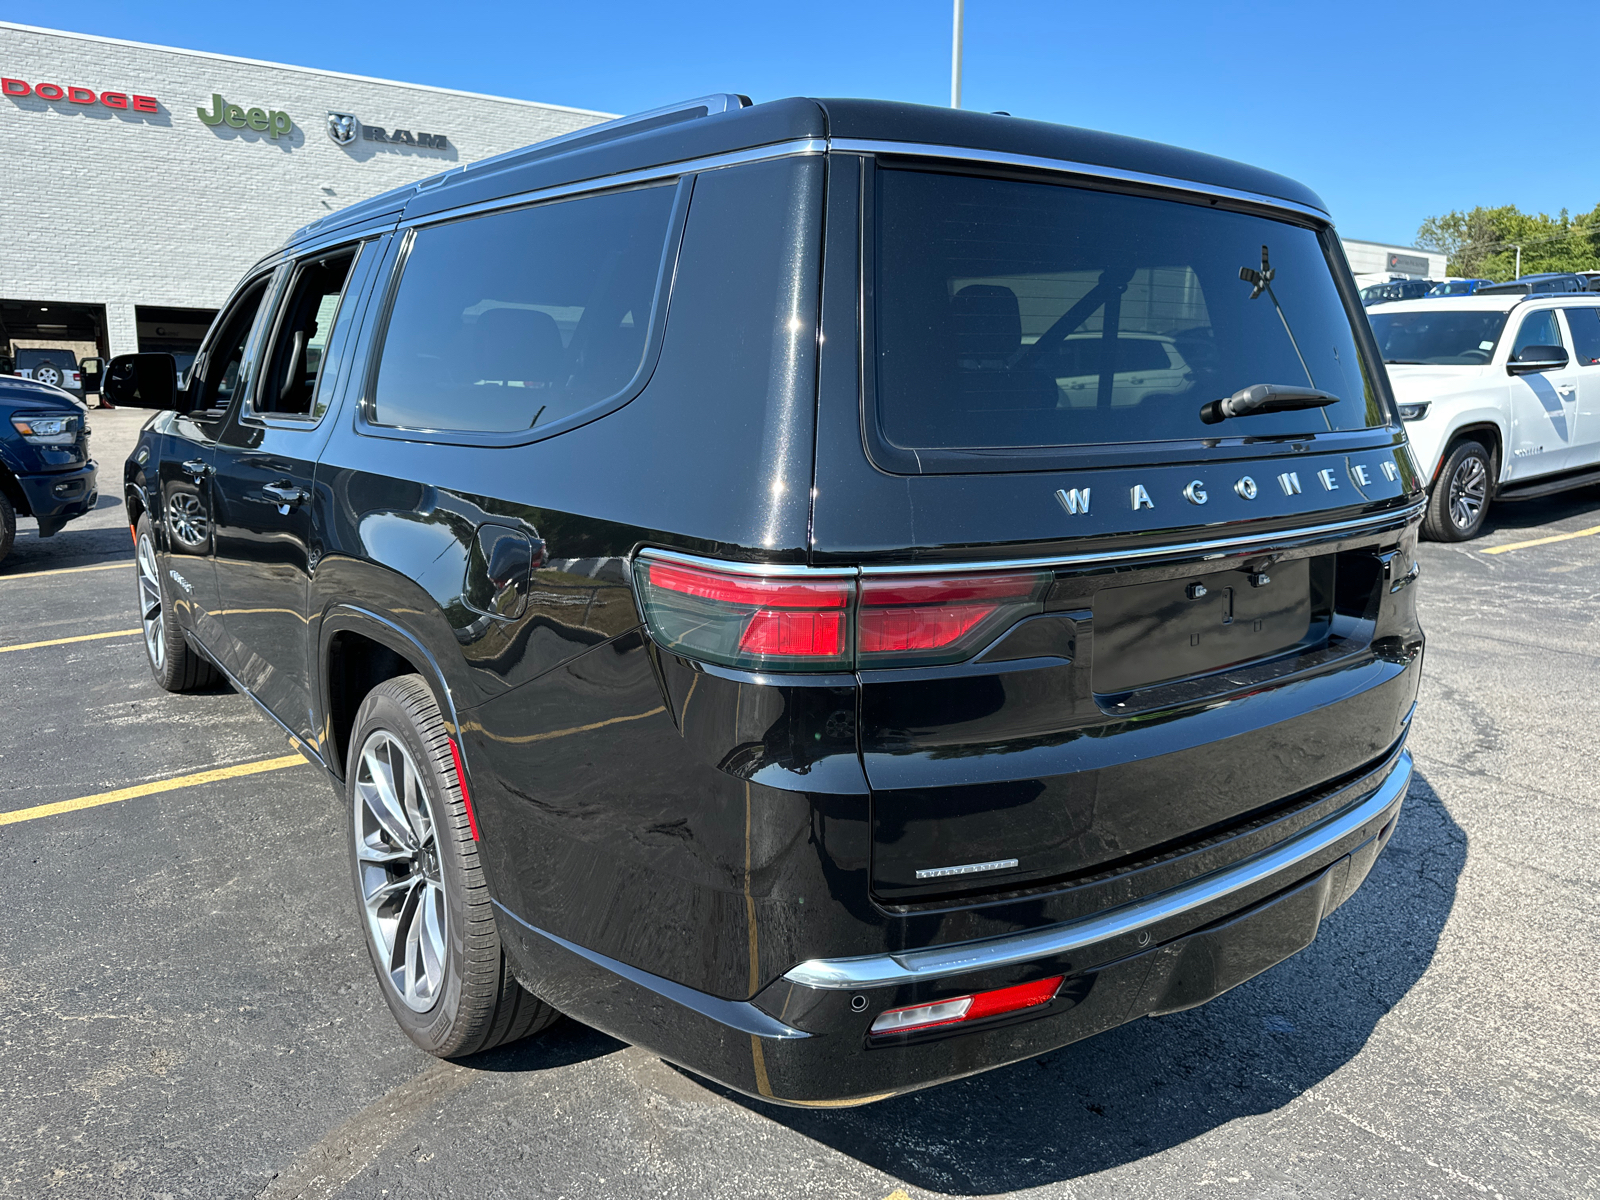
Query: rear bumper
[[56, 497], [804, 1040]]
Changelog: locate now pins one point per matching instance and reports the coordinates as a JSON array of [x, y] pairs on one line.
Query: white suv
[[1500, 395]]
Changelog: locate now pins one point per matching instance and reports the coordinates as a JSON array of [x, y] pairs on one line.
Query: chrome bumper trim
[[916, 966]]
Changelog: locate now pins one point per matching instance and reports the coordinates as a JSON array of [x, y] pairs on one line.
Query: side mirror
[[1537, 358], [142, 381]]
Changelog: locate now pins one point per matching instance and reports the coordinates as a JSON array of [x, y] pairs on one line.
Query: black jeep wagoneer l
[[844, 595]]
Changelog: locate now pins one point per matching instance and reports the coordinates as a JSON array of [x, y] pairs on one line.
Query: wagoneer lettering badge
[[1289, 481], [1246, 487], [1074, 500], [1140, 497]]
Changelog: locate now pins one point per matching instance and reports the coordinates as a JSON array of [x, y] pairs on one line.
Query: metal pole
[[955, 59], [1518, 275]]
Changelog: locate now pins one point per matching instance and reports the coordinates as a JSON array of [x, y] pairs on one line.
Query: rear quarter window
[[1019, 314], [516, 320]]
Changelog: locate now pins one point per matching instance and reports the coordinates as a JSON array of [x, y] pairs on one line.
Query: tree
[[1482, 243]]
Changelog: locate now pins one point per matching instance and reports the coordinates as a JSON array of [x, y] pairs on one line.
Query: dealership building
[[143, 180]]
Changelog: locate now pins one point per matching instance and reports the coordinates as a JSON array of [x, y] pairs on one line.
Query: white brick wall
[[121, 208]]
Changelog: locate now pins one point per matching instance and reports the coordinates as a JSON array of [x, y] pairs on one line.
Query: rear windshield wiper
[[1264, 398]]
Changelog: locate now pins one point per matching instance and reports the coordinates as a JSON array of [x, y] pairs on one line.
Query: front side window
[[515, 320], [1537, 329], [224, 357], [290, 381], [1453, 338], [1012, 314]]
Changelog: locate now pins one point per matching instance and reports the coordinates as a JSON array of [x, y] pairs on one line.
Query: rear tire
[[174, 664], [1459, 502], [420, 890]]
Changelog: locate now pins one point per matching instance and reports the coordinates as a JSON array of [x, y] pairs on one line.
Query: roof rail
[[671, 114]]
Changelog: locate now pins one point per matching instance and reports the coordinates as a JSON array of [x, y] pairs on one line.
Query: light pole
[[955, 60], [1518, 275]]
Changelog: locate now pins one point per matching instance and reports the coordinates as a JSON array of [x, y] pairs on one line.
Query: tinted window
[[294, 366], [1022, 314], [1452, 338], [1538, 329], [517, 319], [1585, 326], [225, 356]]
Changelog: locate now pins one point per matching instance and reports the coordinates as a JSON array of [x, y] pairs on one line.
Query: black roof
[[697, 131]]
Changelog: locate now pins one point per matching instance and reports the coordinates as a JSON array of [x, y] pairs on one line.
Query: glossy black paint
[[666, 839]]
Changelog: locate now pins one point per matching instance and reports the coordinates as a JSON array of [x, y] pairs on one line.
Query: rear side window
[[1585, 326], [515, 320], [1014, 314]]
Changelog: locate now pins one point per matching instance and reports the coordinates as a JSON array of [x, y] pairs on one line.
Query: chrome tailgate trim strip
[[919, 966]]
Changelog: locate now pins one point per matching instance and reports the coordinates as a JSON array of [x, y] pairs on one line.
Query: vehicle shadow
[[1516, 515], [565, 1044], [1155, 1084]]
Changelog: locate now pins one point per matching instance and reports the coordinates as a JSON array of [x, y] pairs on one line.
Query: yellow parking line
[[1545, 541], [126, 562], [86, 637], [149, 789]]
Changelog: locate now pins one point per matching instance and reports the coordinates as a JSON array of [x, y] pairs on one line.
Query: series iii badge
[[342, 128]]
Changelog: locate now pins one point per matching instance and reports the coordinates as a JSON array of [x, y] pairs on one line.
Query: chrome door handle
[[197, 468], [284, 495]]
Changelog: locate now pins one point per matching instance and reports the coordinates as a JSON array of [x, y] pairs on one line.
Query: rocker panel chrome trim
[[916, 966]]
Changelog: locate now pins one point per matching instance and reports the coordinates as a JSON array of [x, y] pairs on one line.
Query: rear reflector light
[[968, 1008], [824, 622]]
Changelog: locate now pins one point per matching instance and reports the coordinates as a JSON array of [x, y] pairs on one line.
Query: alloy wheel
[[397, 862], [1469, 487], [187, 519], [151, 610]]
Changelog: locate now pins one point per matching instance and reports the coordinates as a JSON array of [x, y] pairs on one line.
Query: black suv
[[45, 469], [842, 594]]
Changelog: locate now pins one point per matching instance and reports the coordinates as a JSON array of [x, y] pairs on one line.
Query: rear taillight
[[747, 620], [939, 619], [824, 622], [968, 1008]]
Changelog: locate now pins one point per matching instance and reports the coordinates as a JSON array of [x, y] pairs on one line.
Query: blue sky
[[1392, 111]]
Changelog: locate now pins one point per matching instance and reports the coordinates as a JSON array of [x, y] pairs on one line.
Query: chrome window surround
[[626, 179], [798, 146], [1211, 547], [935, 962], [1091, 170]]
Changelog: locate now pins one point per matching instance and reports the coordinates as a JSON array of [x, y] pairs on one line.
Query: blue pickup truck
[[45, 469]]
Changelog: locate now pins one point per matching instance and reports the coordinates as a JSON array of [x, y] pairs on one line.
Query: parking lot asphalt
[[186, 1006]]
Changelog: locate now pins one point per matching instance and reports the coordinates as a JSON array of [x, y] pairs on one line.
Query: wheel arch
[[357, 650], [12, 490], [1488, 432]]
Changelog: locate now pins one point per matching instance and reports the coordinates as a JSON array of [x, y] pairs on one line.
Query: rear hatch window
[[1018, 314]]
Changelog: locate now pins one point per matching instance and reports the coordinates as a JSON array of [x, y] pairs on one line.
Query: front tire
[[175, 666], [1459, 502], [8, 526], [420, 889]]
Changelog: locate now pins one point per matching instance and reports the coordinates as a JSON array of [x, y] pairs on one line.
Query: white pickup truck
[[1500, 396]]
